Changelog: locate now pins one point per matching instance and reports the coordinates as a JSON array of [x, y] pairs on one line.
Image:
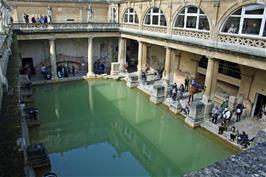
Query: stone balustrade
[[192, 33], [243, 41], [49, 27]]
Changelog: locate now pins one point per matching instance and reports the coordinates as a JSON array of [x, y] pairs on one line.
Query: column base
[[90, 74], [192, 123]]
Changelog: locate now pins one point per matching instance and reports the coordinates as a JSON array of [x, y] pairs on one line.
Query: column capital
[[52, 39]]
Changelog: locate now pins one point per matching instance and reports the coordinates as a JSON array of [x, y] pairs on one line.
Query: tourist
[[244, 140], [186, 83], [224, 104], [26, 18], [182, 88], [233, 134], [43, 71], [102, 67], [192, 91], [65, 71], [174, 93], [143, 77], [227, 115], [221, 128], [215, 113], [147, 68], [185, 110], [33, 20], [239, 111], [73, 70]]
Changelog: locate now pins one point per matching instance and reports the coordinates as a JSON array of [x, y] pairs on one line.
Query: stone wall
[[245, 164]]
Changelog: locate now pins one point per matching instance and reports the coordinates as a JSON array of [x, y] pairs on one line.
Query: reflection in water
[[107, 129]]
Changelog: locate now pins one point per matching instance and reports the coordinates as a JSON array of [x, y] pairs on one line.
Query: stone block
[[132, 80], [157, 95], [115, 66], [196, 114], [175, 107]]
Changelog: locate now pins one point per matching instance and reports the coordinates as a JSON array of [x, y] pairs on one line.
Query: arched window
[[248, 20], [156, 17], [192, 17], [130, 16]]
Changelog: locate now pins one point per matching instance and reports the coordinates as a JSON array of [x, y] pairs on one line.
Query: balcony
[[65, 27]]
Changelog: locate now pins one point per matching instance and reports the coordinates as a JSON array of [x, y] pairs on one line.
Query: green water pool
[[103, 128]]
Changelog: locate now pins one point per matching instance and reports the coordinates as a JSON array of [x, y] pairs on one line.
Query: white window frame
[[128, 13], [243, 16], [152, 14], [197, 15]]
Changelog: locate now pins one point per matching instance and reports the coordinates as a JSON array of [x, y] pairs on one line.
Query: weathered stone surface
[[250, 163], [261, 136]]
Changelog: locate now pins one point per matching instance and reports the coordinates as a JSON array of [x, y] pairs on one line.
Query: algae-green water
[[103, 128]]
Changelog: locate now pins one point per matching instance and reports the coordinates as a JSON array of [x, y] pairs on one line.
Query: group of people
[[42, 19], [99, 67], [64, 71], [225, 114], [176, 93], [241, 139]]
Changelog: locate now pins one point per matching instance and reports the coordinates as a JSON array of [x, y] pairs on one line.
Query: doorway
[[260, 101]]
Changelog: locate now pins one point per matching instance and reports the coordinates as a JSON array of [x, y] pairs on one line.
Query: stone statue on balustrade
[[90, 13], [49, 14]]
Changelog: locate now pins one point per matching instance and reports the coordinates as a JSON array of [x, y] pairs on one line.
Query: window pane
[[264, 31], [179, 21], [231, 25], [183, 11], [136, 19], [155, 20], [192, 10], [125, 18], [131, 18], [251, 26], [131, 10], [203, 23], [254, 9], [162, 21], [191, 22], [147, 20], [238, 12], [201, 12], [155, 10]]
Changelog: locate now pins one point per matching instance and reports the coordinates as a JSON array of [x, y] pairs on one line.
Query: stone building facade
[[221, 44]]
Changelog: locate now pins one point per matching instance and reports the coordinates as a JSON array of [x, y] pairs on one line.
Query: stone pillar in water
[[132, 80]]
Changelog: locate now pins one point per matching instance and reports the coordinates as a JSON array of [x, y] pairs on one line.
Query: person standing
[[215, 114], [186, 83], [239, 111], [192, 91], [73, 70]]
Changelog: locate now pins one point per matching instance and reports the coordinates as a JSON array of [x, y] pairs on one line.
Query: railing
[[65, 26], [243, 41], [191, 33]]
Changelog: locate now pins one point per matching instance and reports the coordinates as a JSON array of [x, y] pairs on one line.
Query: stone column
[[140, 55], [167, 64], [122, 51], [144, 54], [90, 57], [208, 81], [53, 58]]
